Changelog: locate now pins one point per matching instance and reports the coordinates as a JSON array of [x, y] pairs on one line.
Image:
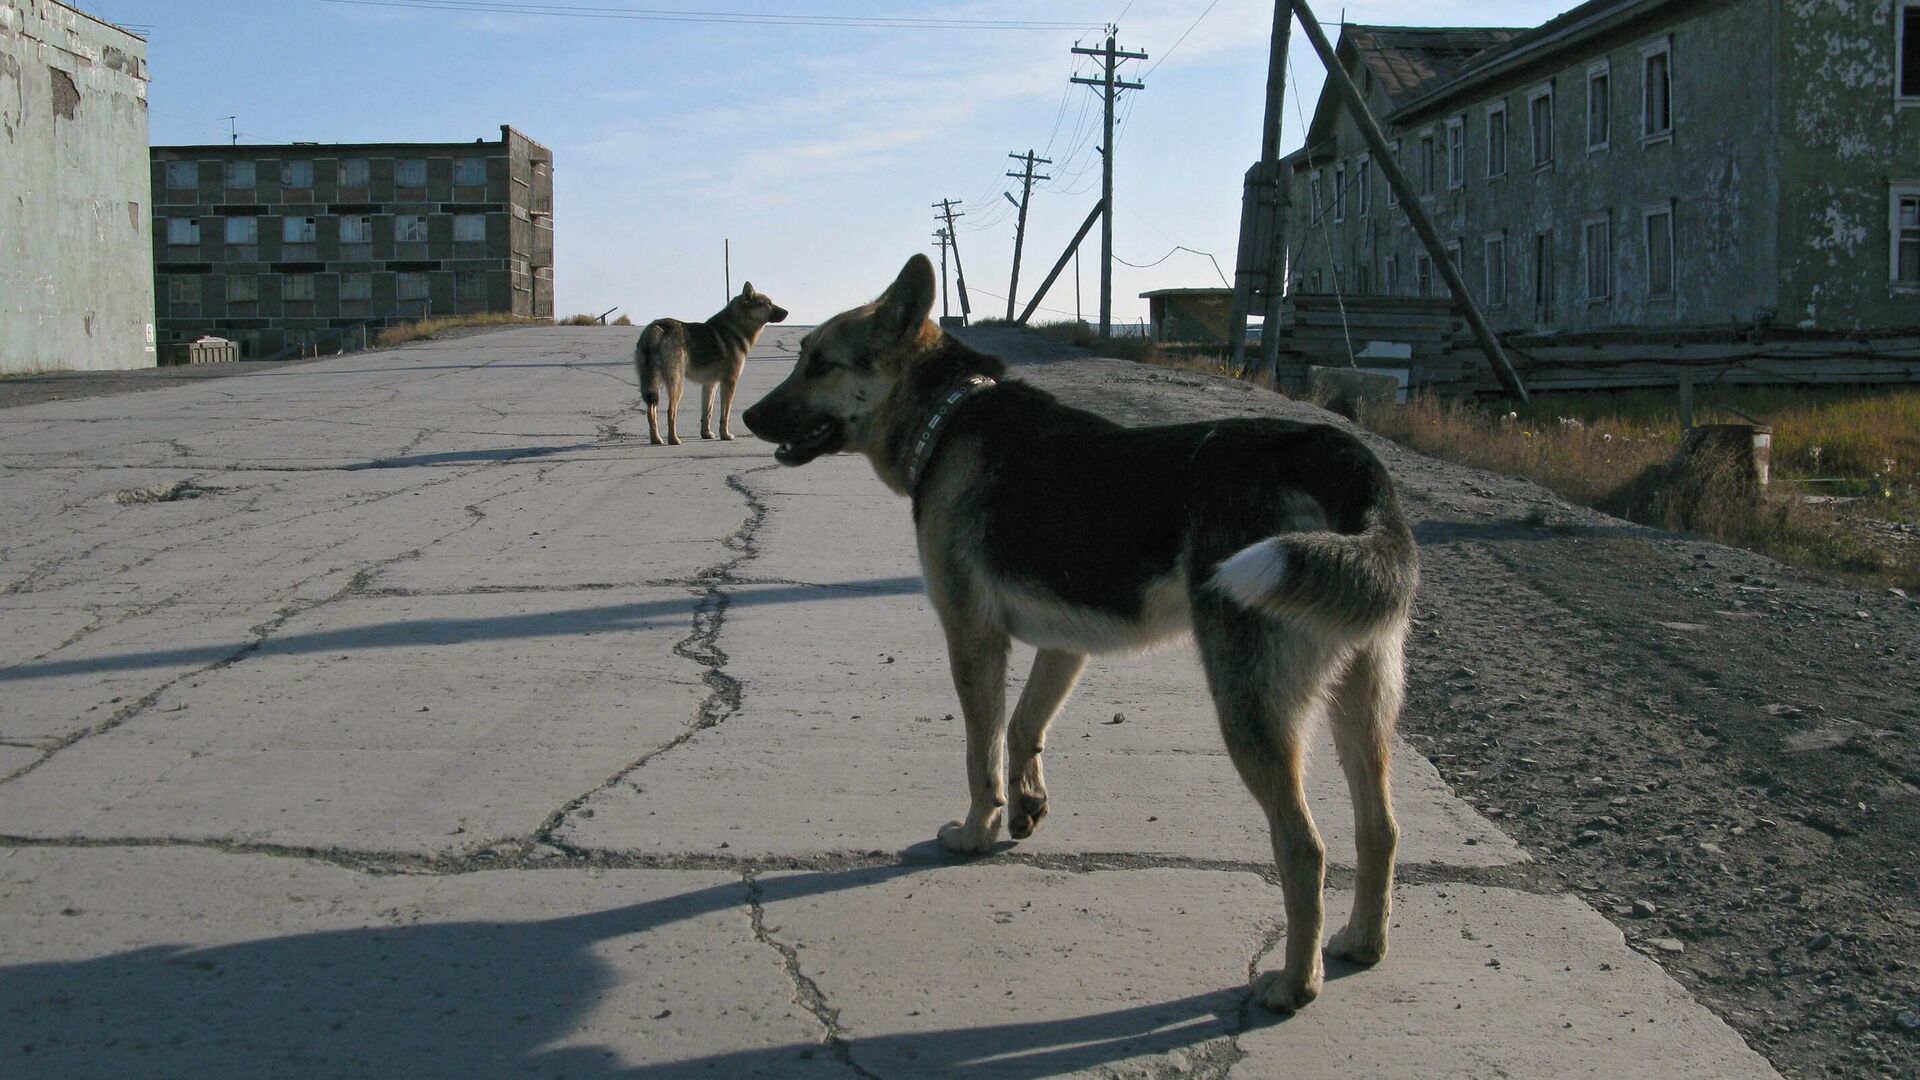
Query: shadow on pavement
[[422, 633], [493, 998]]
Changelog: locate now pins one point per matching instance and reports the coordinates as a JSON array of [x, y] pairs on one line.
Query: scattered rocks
[[1644, 909], [1668, 945]]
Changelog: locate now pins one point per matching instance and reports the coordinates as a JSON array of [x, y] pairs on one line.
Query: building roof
[[1216, 291], [1406, 60]]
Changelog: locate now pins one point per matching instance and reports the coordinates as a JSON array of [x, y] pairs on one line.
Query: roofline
[[313, 147], [1198, 290], [1526, 49], [90, 17]]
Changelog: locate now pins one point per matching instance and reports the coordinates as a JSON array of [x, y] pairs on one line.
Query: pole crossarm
[[1110, 86], [1026, 177]]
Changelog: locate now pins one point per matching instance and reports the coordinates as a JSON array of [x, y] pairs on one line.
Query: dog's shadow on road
[[524, 998]]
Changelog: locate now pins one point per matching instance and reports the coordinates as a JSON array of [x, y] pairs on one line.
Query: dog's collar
[[929, 435]]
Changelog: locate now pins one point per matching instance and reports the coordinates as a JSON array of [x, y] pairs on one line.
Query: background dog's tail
[[646, 366], [1357, 581]]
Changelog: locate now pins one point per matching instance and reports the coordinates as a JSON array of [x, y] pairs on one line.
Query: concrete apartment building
[[286, 248], [1634, 165], [76, 286]]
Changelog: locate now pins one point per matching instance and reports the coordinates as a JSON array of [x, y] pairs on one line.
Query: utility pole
[[726, 257], [233, 128], [946, 208], [1026, 179], [1110, 93], [940, 237], [1260, 269]]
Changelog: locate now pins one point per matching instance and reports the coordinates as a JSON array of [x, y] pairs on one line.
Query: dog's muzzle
[[779, 315], [800, 439]]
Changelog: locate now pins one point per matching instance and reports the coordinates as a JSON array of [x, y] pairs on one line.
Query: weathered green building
[[1634, 166]]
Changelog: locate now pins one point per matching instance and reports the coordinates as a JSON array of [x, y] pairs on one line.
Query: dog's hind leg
[[727, 387], [1054, 673], [979, 662], [1366, 703], [708, 392], [676, 385], [1268, 681]]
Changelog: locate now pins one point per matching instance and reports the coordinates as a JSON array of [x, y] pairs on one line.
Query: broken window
[[1315, 197], [296, 174], [237, 174], [1426, 164], [470, 171], [410, 228], [1540, 121], [1660, 253], [412, 286], [1497, 140], [1599, 101], [354, 173], [469, 228], [1423, 274], [1597, 245], [183, 175], [295, 230], [1393, 194], [1657, 91], [1906, 235], [183, 232], [297, 287], [1543, 277], [1390, 276], [1457, 152], [356, 286], [243, 231], [1363, 176], [356, 230], [243, 288], [1339, 193], [1907, 81], [410, 173], [1495, 251]]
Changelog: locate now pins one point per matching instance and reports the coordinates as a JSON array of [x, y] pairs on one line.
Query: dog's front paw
[[1285, 992], [656, 440], [1028, 812], [1358, 945], [674, 441], [726, 436], [706, 434], [969, 838]]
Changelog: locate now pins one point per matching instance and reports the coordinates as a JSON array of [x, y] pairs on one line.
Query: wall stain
[[66, 96]]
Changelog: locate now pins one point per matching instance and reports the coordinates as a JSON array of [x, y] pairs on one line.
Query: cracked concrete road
[[440, 726]]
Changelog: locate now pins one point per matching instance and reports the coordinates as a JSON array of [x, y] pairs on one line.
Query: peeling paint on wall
[[66, 96]]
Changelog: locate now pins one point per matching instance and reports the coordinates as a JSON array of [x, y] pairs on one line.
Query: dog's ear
[[908, 301], [746, 289]]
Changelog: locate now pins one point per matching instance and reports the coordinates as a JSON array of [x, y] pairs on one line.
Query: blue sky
[[817, 151]]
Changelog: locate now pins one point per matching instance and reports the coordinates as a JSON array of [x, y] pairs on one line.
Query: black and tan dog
[[713, 353], [1279, 544]]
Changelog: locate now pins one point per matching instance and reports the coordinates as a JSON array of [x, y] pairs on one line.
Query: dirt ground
[[1721, 754]]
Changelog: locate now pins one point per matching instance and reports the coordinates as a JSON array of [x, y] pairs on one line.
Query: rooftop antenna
[[232, 129]]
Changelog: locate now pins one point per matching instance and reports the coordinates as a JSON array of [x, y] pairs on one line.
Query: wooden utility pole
[[1342, 84], [1026, 179], [946, 207], [1110, 93], [940, 237], [1261, 267], [1072, 252], [726, 256]]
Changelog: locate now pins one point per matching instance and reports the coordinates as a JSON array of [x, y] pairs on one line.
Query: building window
[[1457, 152], [243, 231], [1656, 91], [1315, 197], [243, 288], [1340, 192], [412, 286], [410, 173], [183, 288], [1423, 274], [295, 230], [356, 286], [356, 230], [470, 172], [1540, 122], [237, 174], [1596, 245], [355, 173], [1496, 140], [1659, 221], [1907, 54], [1362, 280], [1426, 164], [1495, 250], [1543, 277], [183, 232], [297, 287], [1906, 235], [1599, 106], [1363, 176], [183, 175], [469, 228], [470, 285], [410, 228], [296, 174], [1390, 276], [1393, 194]]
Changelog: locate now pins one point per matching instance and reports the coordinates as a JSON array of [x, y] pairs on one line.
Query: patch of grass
[[426, 328], [579, 320], [1617, 453], [623, 321]]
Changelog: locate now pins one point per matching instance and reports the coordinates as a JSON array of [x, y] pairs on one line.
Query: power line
[[1183, 37], [584, 11], [1177, 248]]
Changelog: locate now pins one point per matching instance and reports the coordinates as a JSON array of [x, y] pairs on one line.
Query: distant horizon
[[819, 151]]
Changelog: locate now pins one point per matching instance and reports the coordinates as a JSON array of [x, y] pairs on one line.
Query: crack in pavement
[[806, 992]]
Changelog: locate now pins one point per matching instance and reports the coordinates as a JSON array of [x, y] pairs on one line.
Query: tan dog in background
[[712, 353]]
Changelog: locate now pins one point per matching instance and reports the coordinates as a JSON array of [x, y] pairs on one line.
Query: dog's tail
[[1359, 582], [646, 364]]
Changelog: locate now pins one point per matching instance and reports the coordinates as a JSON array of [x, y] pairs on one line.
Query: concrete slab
[[226, 965], [848, 737], [417, 724]]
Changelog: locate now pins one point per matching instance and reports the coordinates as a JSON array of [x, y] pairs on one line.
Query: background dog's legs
[[979, 663], [1048, 685], [1268, 680], [675, 386], [708, 391], [726, 405], [1365, 705], [653, 424]]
